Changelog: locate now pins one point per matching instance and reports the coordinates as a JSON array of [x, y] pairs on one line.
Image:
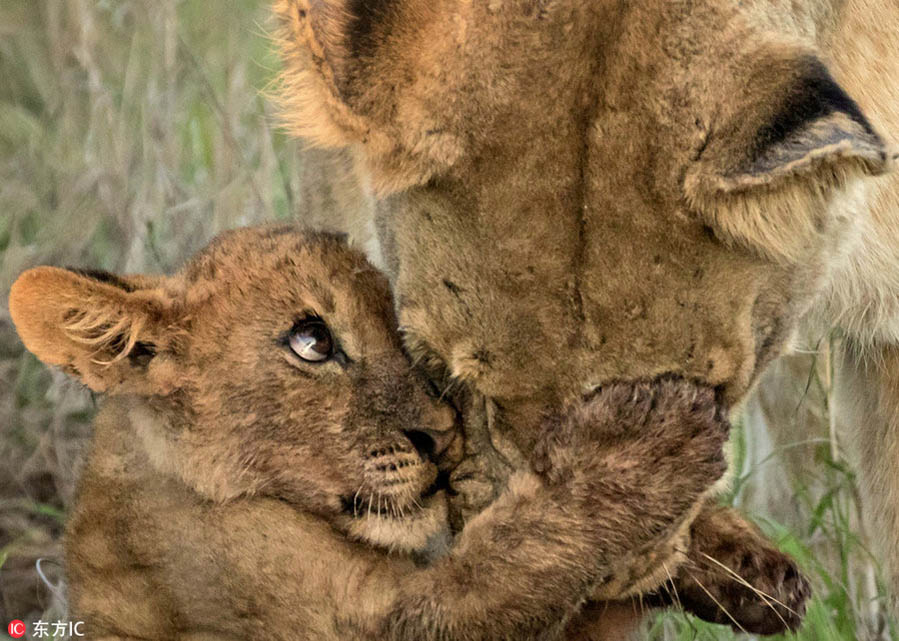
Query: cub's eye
[[311, 340]]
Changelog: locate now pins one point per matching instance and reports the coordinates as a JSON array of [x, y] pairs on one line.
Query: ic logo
[[16, 629]]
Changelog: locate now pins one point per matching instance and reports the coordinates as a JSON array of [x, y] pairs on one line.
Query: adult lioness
[[576, 192], [264, 434]]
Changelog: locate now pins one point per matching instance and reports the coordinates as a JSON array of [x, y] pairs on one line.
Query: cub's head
[[269, 365]]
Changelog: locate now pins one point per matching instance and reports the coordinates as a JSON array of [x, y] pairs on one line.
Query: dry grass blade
[[132, 132]]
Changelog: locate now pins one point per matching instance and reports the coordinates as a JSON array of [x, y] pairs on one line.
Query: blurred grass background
[[131, 132]]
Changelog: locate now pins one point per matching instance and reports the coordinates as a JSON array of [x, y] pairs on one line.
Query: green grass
[[131, 132]]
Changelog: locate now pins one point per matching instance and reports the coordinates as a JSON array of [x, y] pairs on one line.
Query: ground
[[132, 132]]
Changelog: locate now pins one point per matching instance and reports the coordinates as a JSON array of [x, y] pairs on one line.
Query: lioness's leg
[[867, 403]]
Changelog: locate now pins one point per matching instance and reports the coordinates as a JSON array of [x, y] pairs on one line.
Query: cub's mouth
[[386, 506], [401, 505], [412, 531], [400, 476]]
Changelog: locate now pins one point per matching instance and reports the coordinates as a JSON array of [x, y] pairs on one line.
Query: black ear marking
[[815, 113], [813, 96], [799, 126], [103, 276], [767, 177], [350, 33]]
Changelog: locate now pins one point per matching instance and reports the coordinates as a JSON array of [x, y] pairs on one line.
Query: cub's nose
[[438, 435], [430, 443]]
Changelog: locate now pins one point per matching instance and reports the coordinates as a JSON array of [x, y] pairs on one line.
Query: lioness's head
[[577, 192], [269, 365]]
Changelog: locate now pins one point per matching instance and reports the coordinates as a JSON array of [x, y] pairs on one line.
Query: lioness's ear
[[782, 147], [362, 73], [98, 327], [321, 72]]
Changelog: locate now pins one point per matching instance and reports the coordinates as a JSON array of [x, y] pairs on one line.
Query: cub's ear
[[366, 74], [103, 329], [789, 141]]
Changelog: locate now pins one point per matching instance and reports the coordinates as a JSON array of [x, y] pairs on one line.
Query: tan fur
[[571, 193], [864, 296], [866, 405], [234, 491]]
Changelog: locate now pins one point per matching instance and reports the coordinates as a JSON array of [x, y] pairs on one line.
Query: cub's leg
[[607, 621], [614, 479]]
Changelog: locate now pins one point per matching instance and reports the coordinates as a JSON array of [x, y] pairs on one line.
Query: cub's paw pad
[[741, 580], [777, 598]]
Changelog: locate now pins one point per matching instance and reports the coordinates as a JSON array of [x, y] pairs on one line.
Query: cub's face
[[270, 365]]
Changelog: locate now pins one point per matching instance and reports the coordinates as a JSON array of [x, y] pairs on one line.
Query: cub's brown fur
[[571, 193], [236, 490]]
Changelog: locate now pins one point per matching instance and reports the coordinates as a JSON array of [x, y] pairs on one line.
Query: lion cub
[[265, 444]]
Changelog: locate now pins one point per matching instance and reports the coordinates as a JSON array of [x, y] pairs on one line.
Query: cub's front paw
[[735, 576], [660, 441], [475, 483]]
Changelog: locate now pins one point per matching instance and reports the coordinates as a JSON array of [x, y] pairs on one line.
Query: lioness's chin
[[415, 531]]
